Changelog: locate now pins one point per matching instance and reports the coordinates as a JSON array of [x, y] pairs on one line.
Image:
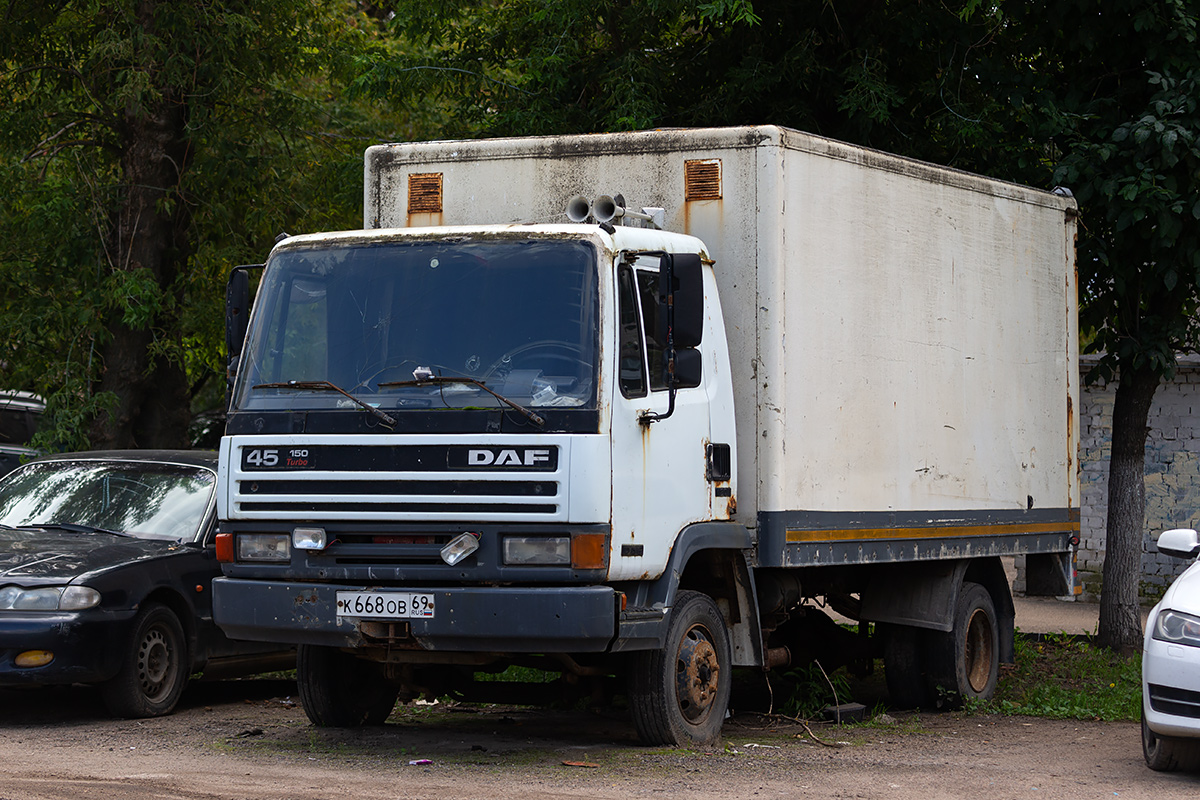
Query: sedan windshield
[[379, 321], [146, 500]]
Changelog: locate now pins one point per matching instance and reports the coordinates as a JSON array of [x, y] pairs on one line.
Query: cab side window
[[631, 369]]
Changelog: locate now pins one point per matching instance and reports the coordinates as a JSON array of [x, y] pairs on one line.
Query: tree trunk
[[1120, 614], [141, 362]]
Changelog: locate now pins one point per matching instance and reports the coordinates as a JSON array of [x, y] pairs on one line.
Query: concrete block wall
[[1172, 474]]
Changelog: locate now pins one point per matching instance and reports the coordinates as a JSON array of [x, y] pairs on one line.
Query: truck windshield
[[518, 316]]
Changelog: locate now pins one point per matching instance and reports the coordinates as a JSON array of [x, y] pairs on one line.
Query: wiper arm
[[76, 528], [326, 386], [425, 379]]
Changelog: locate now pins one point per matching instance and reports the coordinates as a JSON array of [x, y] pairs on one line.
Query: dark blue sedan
[[106, 565]]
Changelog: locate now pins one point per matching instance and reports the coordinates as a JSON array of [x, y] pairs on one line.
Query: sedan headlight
[[48, 598], [263, 547], [1177, 628]]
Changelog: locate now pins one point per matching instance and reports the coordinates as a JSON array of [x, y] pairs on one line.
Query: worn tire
[[679, 695], [154, 668], [338, 690], [904, 666], [1168, 753], [964, 664]]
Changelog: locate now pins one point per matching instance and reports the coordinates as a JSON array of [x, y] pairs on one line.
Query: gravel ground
[[250, 739]]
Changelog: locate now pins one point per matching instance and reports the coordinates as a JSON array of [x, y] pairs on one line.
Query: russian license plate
[[384, 605]]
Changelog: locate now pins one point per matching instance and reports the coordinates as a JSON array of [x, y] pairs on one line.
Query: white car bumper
[[1170, 685]]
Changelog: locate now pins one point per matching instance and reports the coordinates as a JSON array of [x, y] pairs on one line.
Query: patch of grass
[[1067, 677], [804, 690], [516, 674]]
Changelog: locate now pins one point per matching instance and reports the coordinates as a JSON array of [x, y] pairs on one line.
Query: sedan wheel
[[154, 670]]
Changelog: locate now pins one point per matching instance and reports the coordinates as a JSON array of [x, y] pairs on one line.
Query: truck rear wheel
[[678, 695], [965, 662], [904, 666], [338, 690]]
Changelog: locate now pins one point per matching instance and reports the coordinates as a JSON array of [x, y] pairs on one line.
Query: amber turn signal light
[[589, 551], [34, 658], [225, 547]]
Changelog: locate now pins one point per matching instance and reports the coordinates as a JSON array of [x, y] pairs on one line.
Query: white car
[[1171, 664]]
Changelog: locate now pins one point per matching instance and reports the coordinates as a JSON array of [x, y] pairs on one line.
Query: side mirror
[[237, 320], [237, 311], [1179, 542], [681, 283], [689, 368], [680, 324]]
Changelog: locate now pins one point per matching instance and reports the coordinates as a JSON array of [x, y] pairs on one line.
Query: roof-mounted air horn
[[607, 209]]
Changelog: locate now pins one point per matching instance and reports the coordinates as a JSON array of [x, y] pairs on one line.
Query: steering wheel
[[545, 350]]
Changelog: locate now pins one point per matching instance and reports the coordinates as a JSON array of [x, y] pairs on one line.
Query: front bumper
[[493, 619], [88, 646], [1170, 686]]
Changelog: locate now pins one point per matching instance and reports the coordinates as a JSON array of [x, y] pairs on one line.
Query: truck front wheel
[[965, 662], [678, 695], [338, 690]]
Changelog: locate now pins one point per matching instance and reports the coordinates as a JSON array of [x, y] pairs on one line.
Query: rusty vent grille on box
[[425, 193], [702, 179]]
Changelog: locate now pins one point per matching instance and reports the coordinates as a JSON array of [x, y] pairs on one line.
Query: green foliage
[[262, 141], [518, 674], [805, 690], [1064, 677], [894, 75], [1111, 90]]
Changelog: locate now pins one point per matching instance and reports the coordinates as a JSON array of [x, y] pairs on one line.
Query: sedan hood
[[41, 556], [1184, 594]]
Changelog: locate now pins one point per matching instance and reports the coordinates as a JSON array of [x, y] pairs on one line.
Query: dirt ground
[[250, 739]]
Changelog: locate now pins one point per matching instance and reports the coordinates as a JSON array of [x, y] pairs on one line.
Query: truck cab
[[464, 446]]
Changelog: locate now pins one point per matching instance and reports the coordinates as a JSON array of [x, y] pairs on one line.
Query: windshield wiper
[[423, 378], [76, 528], [326, 386]]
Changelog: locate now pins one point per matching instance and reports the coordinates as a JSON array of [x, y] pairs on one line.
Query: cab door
[[659, 469]]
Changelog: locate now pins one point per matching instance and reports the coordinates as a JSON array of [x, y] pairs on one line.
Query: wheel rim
[[979, 651], [697, 674], [156, 664]]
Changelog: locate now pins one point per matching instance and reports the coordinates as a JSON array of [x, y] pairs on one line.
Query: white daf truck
[[643, 406]]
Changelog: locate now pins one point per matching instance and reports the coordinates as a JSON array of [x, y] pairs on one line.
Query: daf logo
[[507, 458]]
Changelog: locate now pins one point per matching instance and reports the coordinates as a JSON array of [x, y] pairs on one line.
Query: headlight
[[537, 550], [263, 547], [77, 598], [48, 598], [1178, 628], [308, 538]]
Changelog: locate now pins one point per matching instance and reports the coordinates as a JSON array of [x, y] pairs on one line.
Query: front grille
[[423, 481], [360, 506], [1177, 702], [343, 552], [401, 488]]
